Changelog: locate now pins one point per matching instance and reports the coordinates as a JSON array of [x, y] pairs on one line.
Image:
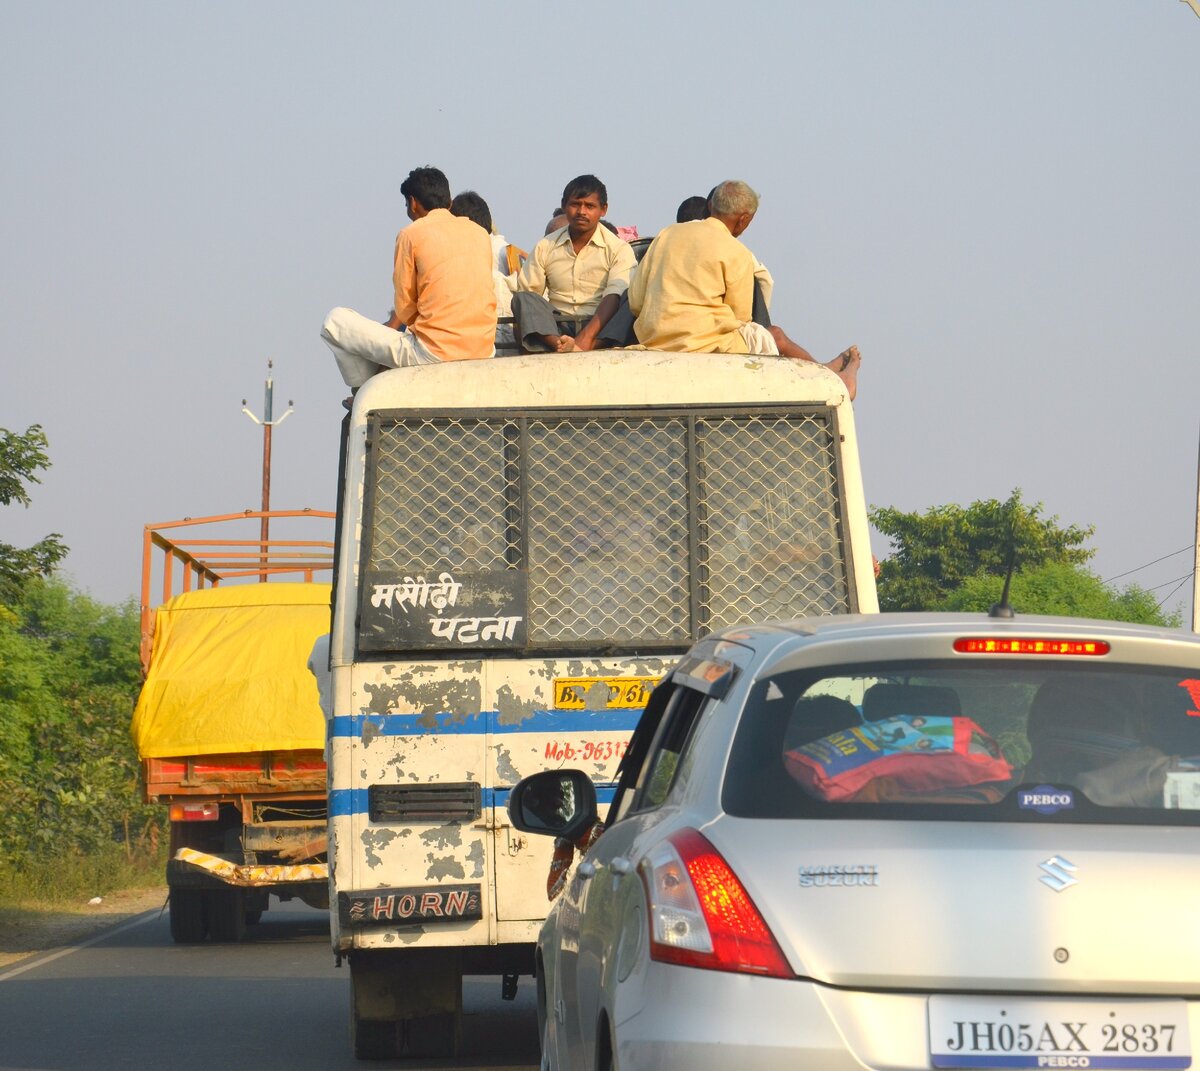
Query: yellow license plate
[[602, 693]]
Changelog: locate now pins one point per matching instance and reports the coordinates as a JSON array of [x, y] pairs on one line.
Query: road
[[130, 998]]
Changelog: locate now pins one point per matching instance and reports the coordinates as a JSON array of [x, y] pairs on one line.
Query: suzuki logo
[[1058, 874]]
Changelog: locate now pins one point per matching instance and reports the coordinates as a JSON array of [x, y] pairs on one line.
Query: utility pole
[[1196, 562], [268, 422]]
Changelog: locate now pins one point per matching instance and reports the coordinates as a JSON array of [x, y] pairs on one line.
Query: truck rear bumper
[[196, 869]]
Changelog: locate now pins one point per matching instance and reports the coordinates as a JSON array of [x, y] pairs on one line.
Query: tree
[[1061, 590], [68, 770], [935, 552], [22, 457]]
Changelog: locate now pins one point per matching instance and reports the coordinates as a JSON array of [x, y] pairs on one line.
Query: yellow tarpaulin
[[229, 672]]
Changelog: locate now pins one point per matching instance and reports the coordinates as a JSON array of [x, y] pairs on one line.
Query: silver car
[[897, 841]]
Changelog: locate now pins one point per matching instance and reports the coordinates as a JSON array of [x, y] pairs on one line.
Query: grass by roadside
[[47, 904]]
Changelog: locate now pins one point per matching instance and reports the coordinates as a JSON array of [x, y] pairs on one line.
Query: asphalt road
[[129, 998]]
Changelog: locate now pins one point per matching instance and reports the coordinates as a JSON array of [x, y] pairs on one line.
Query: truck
[[228, 724], [525, 547]]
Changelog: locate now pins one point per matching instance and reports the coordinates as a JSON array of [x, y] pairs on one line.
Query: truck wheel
[[226, 915], [256, 903], [189, 924]]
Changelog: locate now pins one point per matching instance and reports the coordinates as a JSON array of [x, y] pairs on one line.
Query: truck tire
[[226, 915], [189, 921], [256, 903]]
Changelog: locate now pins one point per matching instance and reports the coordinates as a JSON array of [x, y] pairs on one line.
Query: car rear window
[[1001, 740]]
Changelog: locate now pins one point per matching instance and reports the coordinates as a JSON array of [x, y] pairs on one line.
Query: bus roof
[[603, 378]]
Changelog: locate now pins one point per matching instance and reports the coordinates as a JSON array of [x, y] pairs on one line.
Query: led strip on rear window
[[1023, 645]]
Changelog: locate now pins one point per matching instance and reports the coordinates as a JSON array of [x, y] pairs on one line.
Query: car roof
[[776, 641]]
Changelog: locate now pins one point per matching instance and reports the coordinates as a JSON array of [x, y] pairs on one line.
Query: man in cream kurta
[[693, 291]]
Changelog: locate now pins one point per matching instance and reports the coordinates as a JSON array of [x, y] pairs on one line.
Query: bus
[[525, 545]]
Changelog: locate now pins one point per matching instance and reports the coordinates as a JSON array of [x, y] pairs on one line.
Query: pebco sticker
[[1046, 799]]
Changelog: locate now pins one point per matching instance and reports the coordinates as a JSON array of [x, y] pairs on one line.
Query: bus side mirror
[[554, 803]]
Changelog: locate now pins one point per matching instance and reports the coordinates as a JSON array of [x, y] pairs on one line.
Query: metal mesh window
[[608, 530], [630, 530], [770, 512], [445, 495]]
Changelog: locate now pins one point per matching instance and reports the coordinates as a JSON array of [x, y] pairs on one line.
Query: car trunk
[[970, 905]]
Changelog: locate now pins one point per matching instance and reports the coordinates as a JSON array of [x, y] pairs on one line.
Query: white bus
[[526, 544]]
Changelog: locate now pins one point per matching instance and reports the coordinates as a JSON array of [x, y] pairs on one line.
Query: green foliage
[[22, 457], [1062, 590], [73, 877], [69, 677], [937, 551]]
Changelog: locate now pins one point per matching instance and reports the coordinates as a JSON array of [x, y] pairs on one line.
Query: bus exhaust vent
[[441, 802]]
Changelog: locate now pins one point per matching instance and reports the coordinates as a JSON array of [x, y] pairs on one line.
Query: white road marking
[[39, 961]]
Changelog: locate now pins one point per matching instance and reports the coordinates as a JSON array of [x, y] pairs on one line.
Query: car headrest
[[1064, 704], [816, 716], [885, 700]]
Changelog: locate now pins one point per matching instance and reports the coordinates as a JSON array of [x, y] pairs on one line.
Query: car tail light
[[195, 812], [700, 915], [1030, 645]]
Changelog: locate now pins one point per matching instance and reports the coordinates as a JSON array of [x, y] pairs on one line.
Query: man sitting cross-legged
[[578, 272]]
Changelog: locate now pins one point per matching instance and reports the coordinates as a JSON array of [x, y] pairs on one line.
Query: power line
[[1148, 564], [1185, 577], [1181, 583]]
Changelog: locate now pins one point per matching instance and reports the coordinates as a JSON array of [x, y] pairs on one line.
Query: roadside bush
[[69, 677]]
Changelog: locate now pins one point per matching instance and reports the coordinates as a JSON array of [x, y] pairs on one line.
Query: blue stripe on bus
[[344, 802], [487, 721]]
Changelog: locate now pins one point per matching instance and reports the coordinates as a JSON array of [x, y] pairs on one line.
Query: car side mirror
[[554, 803]]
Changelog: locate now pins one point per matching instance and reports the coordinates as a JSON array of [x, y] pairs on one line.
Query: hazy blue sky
[[995, 199]]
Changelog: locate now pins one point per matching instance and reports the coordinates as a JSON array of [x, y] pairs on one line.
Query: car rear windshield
[[1003, 741]]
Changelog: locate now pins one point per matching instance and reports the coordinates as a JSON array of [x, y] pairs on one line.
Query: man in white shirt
[[573, 280]]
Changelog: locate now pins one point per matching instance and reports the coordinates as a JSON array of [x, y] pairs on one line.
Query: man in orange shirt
[[445, 304]]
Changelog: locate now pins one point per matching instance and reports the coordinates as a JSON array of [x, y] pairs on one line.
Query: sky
[[996, 200]]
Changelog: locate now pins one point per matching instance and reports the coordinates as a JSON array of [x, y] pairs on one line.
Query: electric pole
[[1196, 562], [268, 422]]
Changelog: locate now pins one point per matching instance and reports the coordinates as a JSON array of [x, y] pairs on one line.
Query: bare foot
[[565, 344], [846, 364]]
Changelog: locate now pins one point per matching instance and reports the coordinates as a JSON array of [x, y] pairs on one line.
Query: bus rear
[[525, 546]]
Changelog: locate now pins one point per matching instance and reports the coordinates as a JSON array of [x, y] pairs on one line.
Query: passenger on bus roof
[[692, 208], [445, 303], [508, 260], [578, 272], [699, 207], [694, 289]]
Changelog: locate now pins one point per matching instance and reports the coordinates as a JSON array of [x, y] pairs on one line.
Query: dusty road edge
[[30, 933]]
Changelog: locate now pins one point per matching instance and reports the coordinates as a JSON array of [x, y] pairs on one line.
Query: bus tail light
[[195, 812], [701, 915]]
